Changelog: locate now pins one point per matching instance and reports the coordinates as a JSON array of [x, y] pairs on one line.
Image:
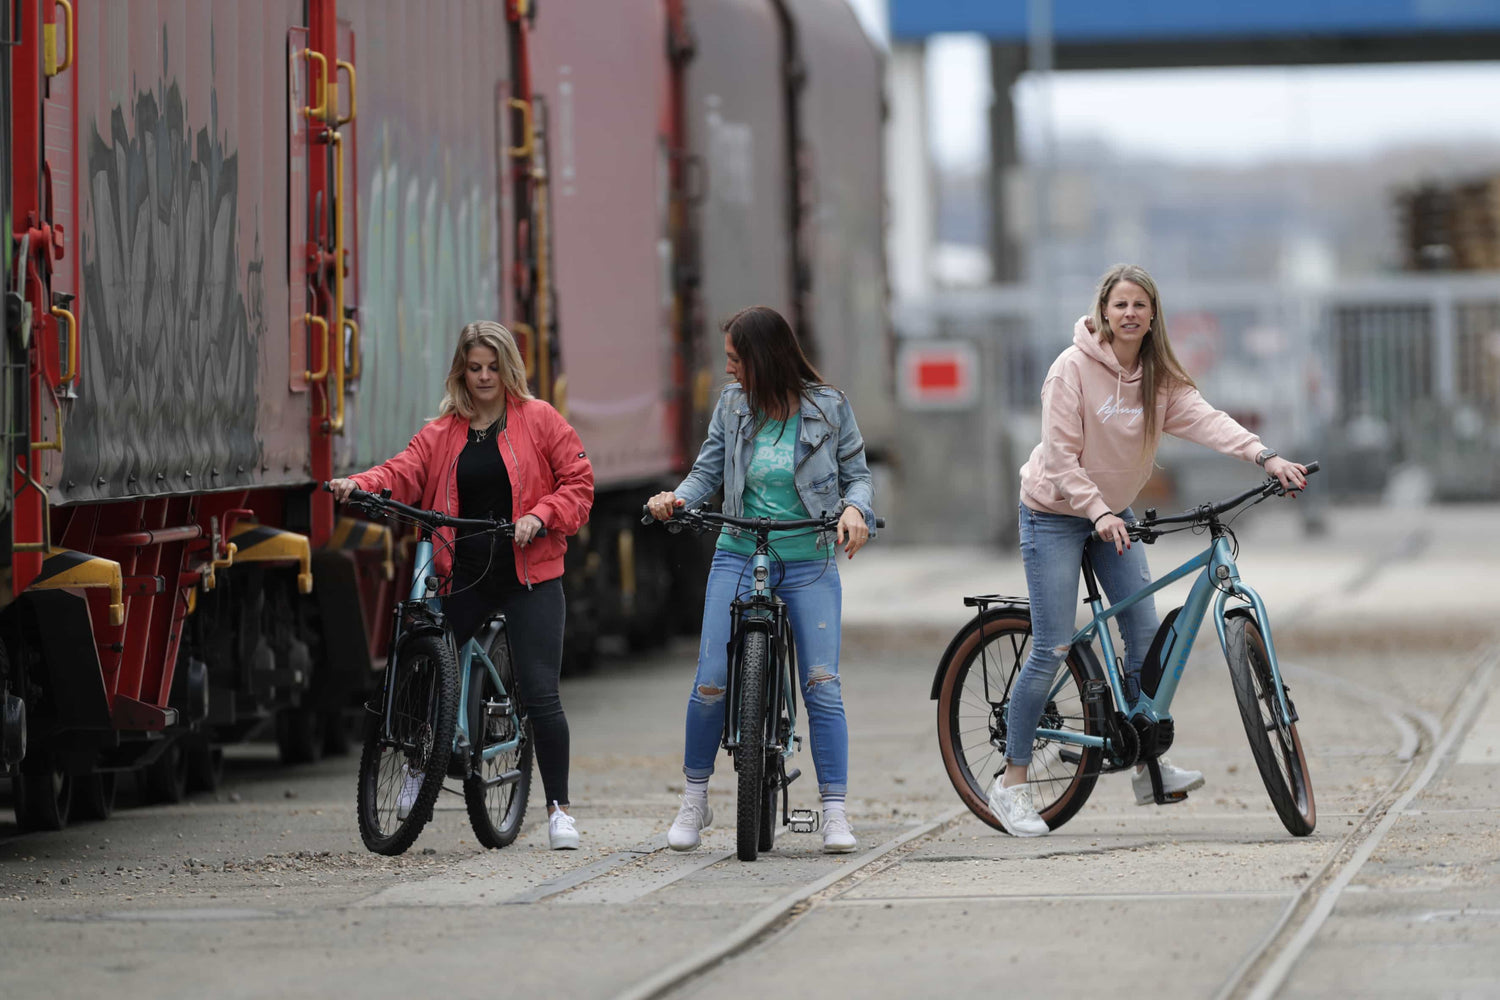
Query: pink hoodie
[[1090, 461]]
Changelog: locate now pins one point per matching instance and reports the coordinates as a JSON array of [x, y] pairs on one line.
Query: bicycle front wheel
[[496, 791], [973, 703], [401, 772], [1273, 741], [750, 757]]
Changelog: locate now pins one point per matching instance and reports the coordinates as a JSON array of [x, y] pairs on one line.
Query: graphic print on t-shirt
[[771, 491]]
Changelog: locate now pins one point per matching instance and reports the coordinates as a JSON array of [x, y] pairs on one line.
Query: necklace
[[481, 434]]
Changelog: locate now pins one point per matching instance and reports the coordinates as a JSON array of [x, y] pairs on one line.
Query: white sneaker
[[693, 816], [1012, 807], [1174, 780], [562, 835], [411, 787], [838, 835]]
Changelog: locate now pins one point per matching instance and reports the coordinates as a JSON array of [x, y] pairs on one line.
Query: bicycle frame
[[1215, 563], [762, 606], [462, 739]]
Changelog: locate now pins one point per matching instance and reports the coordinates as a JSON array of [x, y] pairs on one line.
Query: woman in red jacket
[[495, 451]]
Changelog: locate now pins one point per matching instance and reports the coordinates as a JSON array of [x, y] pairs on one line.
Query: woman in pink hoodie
[[1106, 402]]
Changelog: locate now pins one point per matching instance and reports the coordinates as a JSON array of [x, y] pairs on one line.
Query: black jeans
[[534, 620]]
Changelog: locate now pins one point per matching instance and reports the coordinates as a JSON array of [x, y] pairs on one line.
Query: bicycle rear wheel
[[750, 758], [1274, 743], [414, 757], [978, 672], [496, 809]]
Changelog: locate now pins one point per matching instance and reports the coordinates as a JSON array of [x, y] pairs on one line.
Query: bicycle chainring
[[1124, 745]]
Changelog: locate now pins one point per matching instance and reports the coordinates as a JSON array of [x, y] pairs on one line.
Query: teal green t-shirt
[[770, 491]]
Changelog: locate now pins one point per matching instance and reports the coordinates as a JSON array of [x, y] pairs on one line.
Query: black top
[[484, 491]]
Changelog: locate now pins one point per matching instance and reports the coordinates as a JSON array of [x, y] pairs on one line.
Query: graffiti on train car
[[430, 265], [167, 402]]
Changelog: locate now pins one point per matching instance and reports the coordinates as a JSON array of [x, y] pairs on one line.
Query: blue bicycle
[[443, 712], [1089, 724]]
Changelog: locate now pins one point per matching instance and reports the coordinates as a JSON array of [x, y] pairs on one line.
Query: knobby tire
[[424, 710], [750, 757]]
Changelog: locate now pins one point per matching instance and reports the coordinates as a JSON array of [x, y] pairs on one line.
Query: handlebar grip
[[1312, 467], [879, 523]]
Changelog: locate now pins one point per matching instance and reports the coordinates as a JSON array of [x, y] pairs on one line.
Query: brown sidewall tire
[[1077, 793]]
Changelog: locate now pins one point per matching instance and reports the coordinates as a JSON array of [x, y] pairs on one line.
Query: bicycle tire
[[766, 830], [1001, 640], [1280, 760], [424, 709], [750, 758], [496, 812]]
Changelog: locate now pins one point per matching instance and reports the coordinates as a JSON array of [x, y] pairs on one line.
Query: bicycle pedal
[[1171, 798], [803, 821]]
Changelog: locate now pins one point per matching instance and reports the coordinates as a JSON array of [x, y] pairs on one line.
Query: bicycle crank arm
[[503, 778]]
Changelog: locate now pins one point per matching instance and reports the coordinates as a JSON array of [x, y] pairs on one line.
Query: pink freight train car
[[244, 236]]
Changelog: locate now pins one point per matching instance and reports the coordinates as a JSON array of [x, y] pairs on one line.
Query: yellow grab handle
[[50, 64], [319, 110], [353, 93], [336, 425], [353, 347], [528, 354], [70, 373], [528, 129], [321, 373]]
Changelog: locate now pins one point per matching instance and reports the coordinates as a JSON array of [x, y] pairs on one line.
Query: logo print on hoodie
[[1112, 408]]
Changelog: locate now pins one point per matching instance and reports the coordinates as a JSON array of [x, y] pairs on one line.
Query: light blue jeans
[[1052, 550], [814, 601]]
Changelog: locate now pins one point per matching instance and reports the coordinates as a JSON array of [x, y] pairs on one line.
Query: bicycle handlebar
[[704, 518], [433, 519], [1202, 514]]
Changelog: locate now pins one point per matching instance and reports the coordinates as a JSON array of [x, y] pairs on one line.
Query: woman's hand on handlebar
[[526, 529], [1293, 476], [1110, 528], [341, 488], [853, 532], [662, 505]]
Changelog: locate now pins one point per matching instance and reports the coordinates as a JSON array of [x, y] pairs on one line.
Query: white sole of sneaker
[[999, 815]]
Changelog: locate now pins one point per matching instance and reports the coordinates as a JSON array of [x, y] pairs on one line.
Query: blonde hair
[[1160, 368], [485, 333]]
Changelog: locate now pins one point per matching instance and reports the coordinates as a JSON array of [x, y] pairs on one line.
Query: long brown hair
[[1160, 368], [773, 365], [485, 333]]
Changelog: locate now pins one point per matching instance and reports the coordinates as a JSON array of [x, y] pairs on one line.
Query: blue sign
[[1094, 21]]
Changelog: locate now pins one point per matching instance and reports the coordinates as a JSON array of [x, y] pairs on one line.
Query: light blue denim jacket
[[830, 473]]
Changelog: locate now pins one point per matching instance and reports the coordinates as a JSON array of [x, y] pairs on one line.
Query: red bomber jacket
[[550, 477]]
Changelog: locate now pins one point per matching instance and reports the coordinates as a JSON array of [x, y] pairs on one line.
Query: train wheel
[[165, 779], [205, 766], [94, 795], [336, 742], [43, 794], [299, 735]]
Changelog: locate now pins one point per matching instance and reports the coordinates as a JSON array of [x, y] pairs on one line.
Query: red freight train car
[[244, 237]]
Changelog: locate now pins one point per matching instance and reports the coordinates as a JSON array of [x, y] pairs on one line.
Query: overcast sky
[[1219, 116]]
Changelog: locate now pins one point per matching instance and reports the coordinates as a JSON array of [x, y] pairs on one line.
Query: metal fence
[[1390, 378]]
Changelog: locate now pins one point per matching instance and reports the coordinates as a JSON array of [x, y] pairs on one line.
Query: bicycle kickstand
[[1157, 792]]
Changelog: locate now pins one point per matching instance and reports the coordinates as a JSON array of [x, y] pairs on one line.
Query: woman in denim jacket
[[782, 444]]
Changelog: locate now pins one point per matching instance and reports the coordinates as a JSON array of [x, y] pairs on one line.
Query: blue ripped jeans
[[1052, 550], [814, 600]]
